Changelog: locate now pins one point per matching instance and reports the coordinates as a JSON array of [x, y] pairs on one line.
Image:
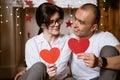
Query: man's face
[[83, 24]]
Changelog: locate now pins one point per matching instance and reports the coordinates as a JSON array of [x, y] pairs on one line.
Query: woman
[[49, 18]]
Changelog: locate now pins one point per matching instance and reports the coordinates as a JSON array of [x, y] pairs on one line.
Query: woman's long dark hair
[[44, 13]]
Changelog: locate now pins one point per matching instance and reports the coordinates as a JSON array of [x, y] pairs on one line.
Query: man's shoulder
[[103, 33]]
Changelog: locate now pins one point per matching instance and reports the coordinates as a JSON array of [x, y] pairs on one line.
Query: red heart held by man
[[78, 46], [50, 56]]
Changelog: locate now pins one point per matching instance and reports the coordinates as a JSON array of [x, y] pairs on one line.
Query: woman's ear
[[43, 26]]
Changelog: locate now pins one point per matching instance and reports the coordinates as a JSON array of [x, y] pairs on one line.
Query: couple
[[49, 18]]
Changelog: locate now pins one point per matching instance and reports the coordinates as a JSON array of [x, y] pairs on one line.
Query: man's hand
[[89, 59], [19, 74], [51, 70]]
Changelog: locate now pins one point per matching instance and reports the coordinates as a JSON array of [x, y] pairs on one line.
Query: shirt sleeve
[[31, 53], [109, 39], [64, 58]]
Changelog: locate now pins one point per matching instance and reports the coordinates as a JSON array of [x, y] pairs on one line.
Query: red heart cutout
[[78, 46], [50, 56]]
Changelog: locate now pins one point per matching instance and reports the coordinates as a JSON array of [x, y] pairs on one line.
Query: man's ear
[[94, 27]]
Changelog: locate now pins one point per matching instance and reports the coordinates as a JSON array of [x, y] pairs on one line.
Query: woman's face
[[55, 23]]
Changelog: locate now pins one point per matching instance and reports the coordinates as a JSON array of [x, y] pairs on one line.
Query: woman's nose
[[56, 24]]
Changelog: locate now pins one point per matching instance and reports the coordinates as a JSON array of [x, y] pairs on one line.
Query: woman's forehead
[[55, 16]]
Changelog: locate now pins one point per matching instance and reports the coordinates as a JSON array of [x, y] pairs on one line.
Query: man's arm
[[114, 62], [92, 61]]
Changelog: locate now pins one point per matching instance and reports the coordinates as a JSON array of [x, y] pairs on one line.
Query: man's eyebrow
[[83, 22], [80, 20]]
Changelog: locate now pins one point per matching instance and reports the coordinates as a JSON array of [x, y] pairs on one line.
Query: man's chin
[[76, 33]]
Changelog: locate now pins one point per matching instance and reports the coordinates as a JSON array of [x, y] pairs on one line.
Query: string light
[[6, 7], [11, 14], [1, 15], [1, 22], [17, 24], [71, 15], [20, 33], [17, 12], [104, 9], [18, 16], [3, 10], [6, 20], [101, 16], [17, 9], [101, 24]]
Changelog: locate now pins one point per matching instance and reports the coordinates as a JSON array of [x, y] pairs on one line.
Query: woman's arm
[[19, 74]]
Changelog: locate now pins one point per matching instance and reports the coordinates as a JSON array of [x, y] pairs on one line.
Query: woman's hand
[[51, 70], [19, 74]]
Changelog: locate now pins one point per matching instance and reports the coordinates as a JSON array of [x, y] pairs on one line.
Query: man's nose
[[75, 23]]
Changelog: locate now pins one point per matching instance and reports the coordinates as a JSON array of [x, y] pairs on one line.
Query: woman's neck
[[50, 38]]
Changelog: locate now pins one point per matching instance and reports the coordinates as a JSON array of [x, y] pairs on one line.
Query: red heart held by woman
[[50, 56], [78, 46]]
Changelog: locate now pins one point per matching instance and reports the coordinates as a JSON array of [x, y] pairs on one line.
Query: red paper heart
[[78, 46], [50, 56]]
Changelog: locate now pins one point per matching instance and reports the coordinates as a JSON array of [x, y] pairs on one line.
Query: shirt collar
[[40, 38]]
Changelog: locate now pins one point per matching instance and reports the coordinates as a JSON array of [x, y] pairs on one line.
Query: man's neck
[[87, 36]]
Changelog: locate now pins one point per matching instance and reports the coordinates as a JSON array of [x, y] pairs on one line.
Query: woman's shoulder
[[36, 38]]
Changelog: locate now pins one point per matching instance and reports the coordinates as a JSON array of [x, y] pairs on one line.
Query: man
[[86, 66]]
